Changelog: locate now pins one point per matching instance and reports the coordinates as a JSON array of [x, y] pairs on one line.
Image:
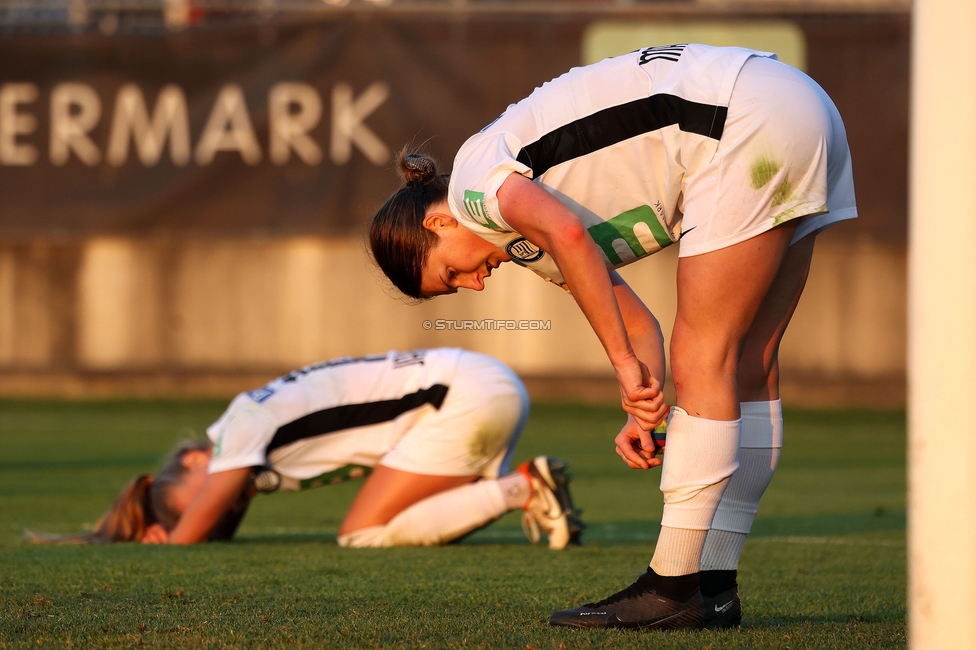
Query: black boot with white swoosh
[[642, 605], [720, 593]]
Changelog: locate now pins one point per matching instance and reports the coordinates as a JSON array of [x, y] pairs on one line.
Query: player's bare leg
[[762, 426], [388, 491], [719, 296], [396, 508], [758, 372]]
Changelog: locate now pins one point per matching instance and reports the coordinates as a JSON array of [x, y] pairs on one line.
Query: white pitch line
[[604, 535], [834, 541], [601, 536]]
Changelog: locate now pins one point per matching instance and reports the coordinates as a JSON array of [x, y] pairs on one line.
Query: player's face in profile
[[460, 259]]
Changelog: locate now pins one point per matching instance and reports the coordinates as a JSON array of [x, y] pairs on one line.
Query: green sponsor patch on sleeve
[[474, 205], [631, 227]]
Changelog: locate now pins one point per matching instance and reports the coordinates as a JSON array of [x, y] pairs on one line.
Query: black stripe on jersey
[[348, 416], [618, 123]]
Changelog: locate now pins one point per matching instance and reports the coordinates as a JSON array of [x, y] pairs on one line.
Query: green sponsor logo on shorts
[[474, 205], [631, 227]]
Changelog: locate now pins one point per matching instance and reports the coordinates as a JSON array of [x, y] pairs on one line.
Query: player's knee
[[754, 377], [701, 357]]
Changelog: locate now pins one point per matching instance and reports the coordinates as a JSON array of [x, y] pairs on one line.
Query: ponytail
[[397, 238], [131, 515]]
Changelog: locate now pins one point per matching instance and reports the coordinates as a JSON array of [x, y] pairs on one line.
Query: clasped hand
[[636, 447], [643, 401], [155, 534], [641, 394]]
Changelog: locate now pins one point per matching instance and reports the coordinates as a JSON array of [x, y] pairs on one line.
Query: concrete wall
[[130, 316]]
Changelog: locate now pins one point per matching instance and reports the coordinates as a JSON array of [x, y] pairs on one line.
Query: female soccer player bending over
[[436, 427], [741, 158]]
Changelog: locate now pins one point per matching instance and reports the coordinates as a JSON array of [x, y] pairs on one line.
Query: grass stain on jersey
[[792, 213], [783, 192], [762, 171], [485, 443]]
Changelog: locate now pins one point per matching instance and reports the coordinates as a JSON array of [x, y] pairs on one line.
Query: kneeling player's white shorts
[[783, 155], [475, 430]]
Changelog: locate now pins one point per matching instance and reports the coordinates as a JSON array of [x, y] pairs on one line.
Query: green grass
[[824, 568]]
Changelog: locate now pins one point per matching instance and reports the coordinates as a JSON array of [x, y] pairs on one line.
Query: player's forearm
[[643, 328], [586, 276], [194, 530], [216, 495]]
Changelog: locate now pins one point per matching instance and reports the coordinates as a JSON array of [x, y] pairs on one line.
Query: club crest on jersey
[[523, 251], [261, 394]]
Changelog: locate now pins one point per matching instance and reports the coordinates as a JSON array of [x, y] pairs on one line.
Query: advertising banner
[[274, 130], [290, 127]]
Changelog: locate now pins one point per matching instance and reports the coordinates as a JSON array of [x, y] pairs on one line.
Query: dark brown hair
[[142, 503], [397, 238]]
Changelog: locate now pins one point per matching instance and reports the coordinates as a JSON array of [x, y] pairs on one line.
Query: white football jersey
[[613, 141], [318, 424]]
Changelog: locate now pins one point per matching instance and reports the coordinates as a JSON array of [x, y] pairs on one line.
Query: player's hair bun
[[417, 169]]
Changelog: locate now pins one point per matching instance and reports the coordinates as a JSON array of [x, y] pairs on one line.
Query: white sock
[[516, 489], [700, 456], [677, 551], [438, 519], [762, 438]]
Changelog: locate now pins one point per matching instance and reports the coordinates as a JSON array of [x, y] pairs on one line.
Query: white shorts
[[475, 430], [783, 155]]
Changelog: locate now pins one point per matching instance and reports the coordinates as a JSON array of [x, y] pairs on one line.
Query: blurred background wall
[[184, 188]]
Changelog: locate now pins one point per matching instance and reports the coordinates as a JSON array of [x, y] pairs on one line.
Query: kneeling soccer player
[[434, 429]]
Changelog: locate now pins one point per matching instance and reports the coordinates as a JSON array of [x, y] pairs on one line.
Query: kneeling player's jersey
[[318, 424], [613, 141]]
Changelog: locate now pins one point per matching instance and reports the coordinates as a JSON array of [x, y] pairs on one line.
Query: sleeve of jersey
[[240, 440], [480, 168]]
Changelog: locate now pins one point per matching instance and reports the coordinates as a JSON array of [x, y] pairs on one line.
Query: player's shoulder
[[426, 357], [381, 363]]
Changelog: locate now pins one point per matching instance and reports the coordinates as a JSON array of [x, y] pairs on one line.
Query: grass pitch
[[824, 567]]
